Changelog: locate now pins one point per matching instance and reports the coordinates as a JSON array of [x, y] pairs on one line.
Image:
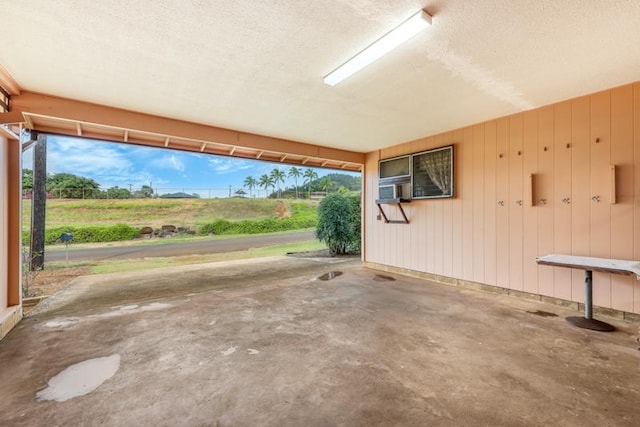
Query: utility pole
[[38, 203]]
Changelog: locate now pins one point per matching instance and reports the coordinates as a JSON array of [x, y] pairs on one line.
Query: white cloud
[[88, 158], [107, 163], [170, 161], [224, 165]]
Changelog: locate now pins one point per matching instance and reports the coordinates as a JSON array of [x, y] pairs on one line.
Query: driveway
[[168, 249], [266, 343]]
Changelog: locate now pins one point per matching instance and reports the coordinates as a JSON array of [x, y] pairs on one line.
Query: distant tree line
[[69, 186], [309, 182], [306, 181]]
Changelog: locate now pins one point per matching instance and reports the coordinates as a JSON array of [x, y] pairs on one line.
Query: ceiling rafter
[[84, 129]]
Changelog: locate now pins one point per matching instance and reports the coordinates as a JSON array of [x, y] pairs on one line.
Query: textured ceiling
[[258, 66]]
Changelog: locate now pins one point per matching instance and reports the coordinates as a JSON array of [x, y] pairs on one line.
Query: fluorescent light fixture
[[380, 47]]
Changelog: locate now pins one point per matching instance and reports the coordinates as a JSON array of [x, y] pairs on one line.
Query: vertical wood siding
[[501, 218], [4, 218]]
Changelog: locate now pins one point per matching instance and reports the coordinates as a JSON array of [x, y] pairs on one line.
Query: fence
[[177, 193]]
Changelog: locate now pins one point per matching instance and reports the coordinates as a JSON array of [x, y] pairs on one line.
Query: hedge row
[[267, 225], [88, 234]]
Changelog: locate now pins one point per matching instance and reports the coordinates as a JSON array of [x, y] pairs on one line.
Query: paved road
[[176, 249]]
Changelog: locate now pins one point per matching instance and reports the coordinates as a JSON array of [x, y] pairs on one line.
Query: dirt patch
[[47, 282], [322, 253], [282, 210]]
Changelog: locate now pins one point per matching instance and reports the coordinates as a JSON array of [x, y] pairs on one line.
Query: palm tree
[[278, 176], [326, 184], [250, 182], [309, 175], [295, 173], [266, 182]]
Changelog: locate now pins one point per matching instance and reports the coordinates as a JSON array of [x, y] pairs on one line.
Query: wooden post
[[38, 203]]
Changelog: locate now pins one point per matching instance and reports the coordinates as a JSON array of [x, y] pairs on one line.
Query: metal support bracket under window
[[397, 202]]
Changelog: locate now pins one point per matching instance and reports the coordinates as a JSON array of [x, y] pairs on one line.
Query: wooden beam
[[11, 117], [13, 227], [204, 145], [28, 120], [109, 118], [27, 144], [304, 162], [259, 155], [166, 141], [283, 158], [126, 136], [38, 204], [8, 83], [233, 150], [79, 128], [325, 163]]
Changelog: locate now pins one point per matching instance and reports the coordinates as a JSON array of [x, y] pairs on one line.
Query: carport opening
[[110, 194]]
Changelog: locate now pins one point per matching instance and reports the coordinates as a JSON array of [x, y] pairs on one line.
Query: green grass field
[[156, 212]]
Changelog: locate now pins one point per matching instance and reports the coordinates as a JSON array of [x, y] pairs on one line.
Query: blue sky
[[167, 171]]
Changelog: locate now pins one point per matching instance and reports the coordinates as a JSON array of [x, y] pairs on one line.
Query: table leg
[[588, 294], [588, 322]]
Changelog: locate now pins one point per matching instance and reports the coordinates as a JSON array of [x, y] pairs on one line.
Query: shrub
[[88, 234], [339, 223], [302, 216]]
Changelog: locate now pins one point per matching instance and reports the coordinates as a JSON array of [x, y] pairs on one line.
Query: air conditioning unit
[[392, 191]]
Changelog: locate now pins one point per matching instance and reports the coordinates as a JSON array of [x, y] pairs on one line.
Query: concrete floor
[[264, 342]]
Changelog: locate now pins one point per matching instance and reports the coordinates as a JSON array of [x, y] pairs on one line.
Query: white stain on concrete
[[131, 309], [252, 351], [213, 322], [155, 306], [229, 351], [80, 379], [61, 323], [167, 357]]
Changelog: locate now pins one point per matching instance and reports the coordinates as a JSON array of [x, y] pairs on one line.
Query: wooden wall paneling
[[600, 143], [545, 191], [416, 238], [466, 193], [516, 201], [529, 208], [404, 236], [422, 226], [395, 230], [503, 204], [437, 209], [4, 223], [447, 223], [562, 196], [580, 189], [636, 190], [622, 211], [490, 203], [374, 250], [478, 202], [457, 205], [429, 223]]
